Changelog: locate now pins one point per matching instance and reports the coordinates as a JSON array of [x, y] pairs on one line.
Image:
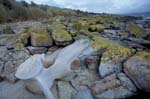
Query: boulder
[[112, 55], [138, 69]]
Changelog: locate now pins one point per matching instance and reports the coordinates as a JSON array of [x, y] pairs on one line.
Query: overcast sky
[[99, 6]]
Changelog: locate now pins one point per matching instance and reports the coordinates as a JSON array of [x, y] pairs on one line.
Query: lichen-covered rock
[[96, 28], [113, 87], [39, 36], [112, 58], [112, 55], [41, 39], [136, 30], [60, 35], [138, 69]]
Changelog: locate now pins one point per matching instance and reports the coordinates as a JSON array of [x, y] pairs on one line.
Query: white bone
[[33, 67]]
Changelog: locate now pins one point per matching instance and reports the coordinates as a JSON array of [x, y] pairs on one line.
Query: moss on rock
[[115, 52], [60, 35], [19, 46], [144, 55], [136, 30], [112, 52], [38, 39], [100, 43], [96, 28]]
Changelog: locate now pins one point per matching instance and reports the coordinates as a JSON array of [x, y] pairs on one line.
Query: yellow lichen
[[100, 43], [115, 52], [98, 28], [144, 55], [45, 37], [61, 35], [19, 46]]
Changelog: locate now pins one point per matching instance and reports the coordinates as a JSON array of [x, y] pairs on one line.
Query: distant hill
[[145, 15]]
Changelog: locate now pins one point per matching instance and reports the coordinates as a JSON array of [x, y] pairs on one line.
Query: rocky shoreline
[[120, 68]]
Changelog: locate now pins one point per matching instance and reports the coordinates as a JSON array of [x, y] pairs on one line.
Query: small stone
[[92, 62], [36, 50]]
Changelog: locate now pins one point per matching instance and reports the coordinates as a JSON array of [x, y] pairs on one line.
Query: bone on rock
[[33, 69]]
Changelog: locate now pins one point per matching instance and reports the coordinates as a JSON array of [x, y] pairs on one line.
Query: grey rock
[[113, 87], [84, 93], [107, 69], [11, 61], [138, 71], [36, 50], [3, 51], [65, 90], [16, 91], [92, 62]]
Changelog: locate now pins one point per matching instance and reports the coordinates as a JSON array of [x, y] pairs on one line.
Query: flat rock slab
[[16, 91]]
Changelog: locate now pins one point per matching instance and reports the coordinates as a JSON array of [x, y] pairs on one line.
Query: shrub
[[3, 13]]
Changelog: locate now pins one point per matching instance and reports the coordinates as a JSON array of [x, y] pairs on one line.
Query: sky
[[100, 6]]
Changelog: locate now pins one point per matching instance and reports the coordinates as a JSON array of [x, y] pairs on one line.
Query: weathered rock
[[83, 93], [112, 87], [92, 62], [36, 50], [16, 91], [65, 90], [107, 69], [138, 69]]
